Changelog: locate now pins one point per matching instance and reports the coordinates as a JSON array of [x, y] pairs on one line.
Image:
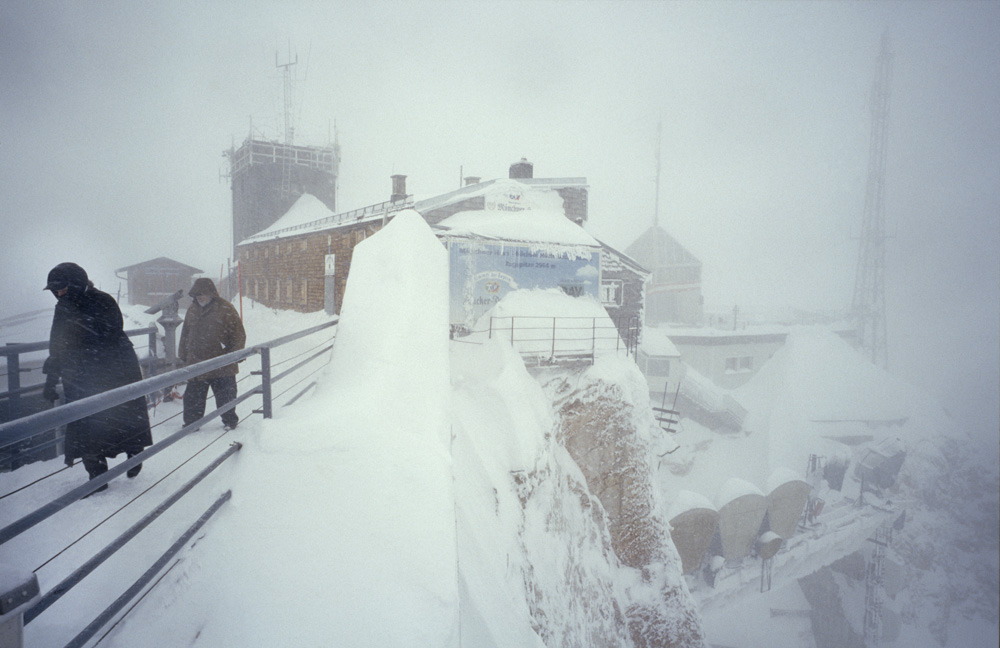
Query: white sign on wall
[[330, 265]]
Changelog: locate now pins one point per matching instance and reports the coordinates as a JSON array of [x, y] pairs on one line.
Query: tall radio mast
[[286, 69], [868, 306]]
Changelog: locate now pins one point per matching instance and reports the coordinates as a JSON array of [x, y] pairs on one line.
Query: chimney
[[471, 180], [398, 187], [522, 169]]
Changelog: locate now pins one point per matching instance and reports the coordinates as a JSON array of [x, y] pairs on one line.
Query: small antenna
[[286, 69], [659, 146]]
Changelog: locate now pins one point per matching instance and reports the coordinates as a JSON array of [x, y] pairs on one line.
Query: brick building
[[301, 262]]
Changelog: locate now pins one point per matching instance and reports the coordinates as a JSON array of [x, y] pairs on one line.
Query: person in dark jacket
[[90, 353], [212, 328]]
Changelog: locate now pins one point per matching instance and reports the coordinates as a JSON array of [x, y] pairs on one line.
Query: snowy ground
[[383, 507]]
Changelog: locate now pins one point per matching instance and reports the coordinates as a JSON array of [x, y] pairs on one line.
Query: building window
[[256, 290], [305, 292], [277, 290], [359, 235], [304, 244], [611, 293], [265, 253], [288, 291]]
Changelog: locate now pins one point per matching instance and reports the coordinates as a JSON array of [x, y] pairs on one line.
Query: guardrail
[[553, 339], [25, 609], [12, 351]]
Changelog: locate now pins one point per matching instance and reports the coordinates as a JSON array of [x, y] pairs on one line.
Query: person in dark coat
[[212, 328], [90, 353]]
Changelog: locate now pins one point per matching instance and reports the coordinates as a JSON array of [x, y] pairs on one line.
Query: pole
[[239, 277]]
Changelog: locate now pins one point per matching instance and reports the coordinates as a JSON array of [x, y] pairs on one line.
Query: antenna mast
[[659, 147], [868, 306], [287, 154], [286, 69]]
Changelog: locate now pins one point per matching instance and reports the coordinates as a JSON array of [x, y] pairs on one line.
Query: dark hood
[[203, 286]]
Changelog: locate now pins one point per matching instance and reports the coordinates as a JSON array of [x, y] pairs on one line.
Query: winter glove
[[49, 393]]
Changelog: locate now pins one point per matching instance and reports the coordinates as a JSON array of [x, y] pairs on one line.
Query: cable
[[310, 350], [301, 380], [120, 509], [18, 490]]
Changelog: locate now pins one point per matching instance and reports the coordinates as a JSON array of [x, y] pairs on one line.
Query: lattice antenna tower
[[287, 153], [868, 306], [286, 71]]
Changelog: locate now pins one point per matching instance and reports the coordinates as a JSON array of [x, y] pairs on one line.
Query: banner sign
[[482, 273]]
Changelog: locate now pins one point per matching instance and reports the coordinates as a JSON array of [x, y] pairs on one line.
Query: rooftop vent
[[522, 169], [398, 187]]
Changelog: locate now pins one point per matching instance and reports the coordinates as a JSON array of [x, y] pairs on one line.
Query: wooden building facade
[[151, 281]]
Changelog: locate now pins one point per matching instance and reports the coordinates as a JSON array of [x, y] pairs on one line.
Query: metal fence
[[20, 598], [553, 339], [12, 352]]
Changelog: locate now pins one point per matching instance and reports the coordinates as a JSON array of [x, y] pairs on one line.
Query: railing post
[[18, 592], [265, 380], [13, 382], [151, 354]]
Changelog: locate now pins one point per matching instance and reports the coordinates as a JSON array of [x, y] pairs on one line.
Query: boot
[[96, 466], [134, 470]]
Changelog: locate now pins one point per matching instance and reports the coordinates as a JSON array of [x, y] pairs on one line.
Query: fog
[[114, 117]]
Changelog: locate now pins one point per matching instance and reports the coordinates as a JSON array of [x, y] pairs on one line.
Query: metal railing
[[17, 431], [353, 216], [12, 351], [553, 339]]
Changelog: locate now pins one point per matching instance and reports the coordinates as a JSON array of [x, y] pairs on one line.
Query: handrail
[[17, 348], [14, 431], [20, 429], [568, 337], [147, 576], [98, 559]]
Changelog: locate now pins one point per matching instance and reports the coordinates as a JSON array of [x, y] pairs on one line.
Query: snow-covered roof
[[531, 226], [159, 262], [310, 217], [481, 188], [655, 248], [655, 342]]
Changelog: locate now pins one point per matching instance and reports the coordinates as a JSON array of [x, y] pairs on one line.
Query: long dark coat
[[89, 351], [210, 331]]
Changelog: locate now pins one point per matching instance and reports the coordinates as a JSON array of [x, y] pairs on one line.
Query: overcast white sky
[[114, 116]]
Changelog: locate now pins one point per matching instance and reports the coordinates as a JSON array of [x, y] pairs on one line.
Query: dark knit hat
[[66, 275]]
